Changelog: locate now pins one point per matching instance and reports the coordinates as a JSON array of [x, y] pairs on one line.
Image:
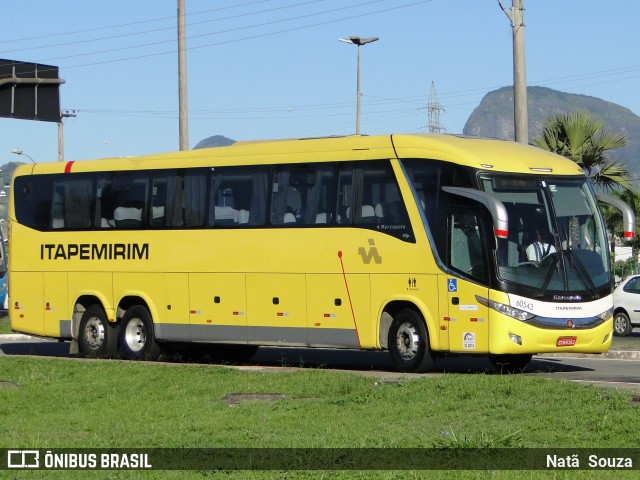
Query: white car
[[626, 304]]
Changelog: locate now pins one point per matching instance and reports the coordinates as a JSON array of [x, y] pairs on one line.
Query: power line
[[109, 27], [224, 42], [170, 28]]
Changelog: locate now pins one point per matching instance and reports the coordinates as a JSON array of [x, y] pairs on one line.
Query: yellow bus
[[422, 245]]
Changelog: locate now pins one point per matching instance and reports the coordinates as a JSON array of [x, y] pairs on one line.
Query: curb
[[613, 354], [20, 337]]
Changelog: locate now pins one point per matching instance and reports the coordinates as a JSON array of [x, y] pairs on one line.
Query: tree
[[585, 140]]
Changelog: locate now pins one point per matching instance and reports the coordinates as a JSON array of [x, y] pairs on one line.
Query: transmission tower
[[434, 108]]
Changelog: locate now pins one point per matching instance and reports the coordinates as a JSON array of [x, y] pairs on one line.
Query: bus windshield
[[556, 240]]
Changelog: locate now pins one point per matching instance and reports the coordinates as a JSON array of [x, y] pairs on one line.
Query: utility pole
[[359, 42], [521, 123], [182, 78], [434, 108], [64, 114]]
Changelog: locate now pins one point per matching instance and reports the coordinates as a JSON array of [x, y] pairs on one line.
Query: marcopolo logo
[[372, 254]]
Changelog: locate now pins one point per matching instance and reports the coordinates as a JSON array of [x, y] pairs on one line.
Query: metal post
[[519, 74], [358, 95], [520, 115], [358, 42], [63, 115], [60, 141], [182, 78]]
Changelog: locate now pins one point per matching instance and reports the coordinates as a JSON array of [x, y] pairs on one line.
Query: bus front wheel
[[409, 343], [97, 337], [137, 341]]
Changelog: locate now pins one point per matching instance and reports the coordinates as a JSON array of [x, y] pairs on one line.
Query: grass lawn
[[4, 325], [68, 403]]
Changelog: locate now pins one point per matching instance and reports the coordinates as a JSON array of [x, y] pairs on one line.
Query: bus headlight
[[606, 315], [508, 310]]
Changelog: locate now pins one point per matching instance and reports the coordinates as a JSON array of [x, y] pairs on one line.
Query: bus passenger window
[[282, 212], [104, 205], [129, 200], [369, 197], [238, 197], [466, 250], [72, 203], [303, 194], [195, 197]]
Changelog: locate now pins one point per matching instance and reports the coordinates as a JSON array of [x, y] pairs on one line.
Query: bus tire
[[97, 338], [510, 363], [137, 341], [621, 324], [409, 343]]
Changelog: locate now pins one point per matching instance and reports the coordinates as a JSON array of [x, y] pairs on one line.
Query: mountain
[[6, 171], [494, 118], [215, 141]]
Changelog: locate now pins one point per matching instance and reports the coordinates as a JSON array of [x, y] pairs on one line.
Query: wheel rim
[[407, 341], [620, 323], [135, 335], [94, 333]]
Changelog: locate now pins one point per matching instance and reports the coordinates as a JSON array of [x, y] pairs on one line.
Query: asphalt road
[[617, 372]]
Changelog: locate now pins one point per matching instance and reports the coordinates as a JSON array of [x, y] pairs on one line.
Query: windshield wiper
[[549, 275], [582, 271]]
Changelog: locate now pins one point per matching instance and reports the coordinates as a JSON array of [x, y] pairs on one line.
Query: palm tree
[[586, 141]]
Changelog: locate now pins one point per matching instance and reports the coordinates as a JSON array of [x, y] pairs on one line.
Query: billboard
[[30, 91]]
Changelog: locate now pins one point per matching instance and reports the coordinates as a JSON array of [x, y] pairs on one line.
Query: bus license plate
[[566, 341]]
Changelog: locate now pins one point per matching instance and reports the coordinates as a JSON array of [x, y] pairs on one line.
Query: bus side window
[[32, 201], [319, 197], [72, 203], [466, 247], [57, 207], [129, 200], [345, 195], [369, 197], [221, 203], [159, 183], [303, 194], [195, 197], [238, 196], [104, 203], [282, 212]]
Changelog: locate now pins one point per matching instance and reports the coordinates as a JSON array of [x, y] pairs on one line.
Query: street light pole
[[358, 42], [17, 151]]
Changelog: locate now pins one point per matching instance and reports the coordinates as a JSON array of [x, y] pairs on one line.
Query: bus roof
[[481, 153]]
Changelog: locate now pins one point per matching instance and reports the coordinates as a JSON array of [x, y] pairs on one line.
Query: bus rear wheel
[[97, 337], [409, 342], [137, 341]]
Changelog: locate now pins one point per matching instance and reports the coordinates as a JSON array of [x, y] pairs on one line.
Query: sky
[[271, 69]]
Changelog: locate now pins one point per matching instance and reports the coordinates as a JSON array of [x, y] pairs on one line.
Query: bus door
[[468, 320]]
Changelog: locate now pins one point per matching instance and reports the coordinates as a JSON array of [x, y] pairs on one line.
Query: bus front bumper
[[511, 336]]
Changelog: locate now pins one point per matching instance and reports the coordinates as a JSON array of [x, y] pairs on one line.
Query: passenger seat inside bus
[[225, 216], [368, 214], [127, 217]]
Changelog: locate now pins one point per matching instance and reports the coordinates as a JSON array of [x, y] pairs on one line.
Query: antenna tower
[[434, 108]]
